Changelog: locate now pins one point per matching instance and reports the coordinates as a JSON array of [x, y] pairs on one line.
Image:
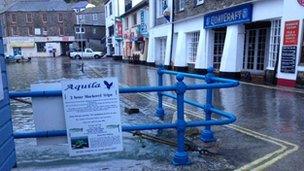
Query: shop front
[[244, 43]]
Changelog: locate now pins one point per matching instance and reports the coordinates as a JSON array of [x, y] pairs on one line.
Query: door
[[17, 51], [255, 50]]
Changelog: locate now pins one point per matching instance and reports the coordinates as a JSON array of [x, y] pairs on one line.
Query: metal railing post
[[160, 110], [181, 156], [207, 134]]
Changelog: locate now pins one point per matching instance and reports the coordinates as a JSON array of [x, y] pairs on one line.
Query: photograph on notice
[[79, 142]]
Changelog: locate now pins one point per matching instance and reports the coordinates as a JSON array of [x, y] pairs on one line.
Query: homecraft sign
[[230, 16]]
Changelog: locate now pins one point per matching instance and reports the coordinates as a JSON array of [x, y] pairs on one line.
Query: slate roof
[[39, 5], [98, 9]]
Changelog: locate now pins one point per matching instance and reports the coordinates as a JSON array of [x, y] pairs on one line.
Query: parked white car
[[88, 53]]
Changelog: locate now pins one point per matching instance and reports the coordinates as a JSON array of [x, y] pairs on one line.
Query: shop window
[[274, 47], [218, 47], [181, 5], [94, 31], [40, 47], [192, 43], [161, 5], [29, 18]]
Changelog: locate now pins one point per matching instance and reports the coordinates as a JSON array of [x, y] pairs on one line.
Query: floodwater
[[271, 113]]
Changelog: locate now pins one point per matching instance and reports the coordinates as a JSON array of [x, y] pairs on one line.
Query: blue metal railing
[[181, 156]]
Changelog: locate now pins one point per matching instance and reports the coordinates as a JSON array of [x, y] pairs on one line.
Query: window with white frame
[[162, 45], [110, 8], [274, 47], [94, 17], [218, 47], [181, 5], [192, 43], [199, 2], [79, 30], [161, 5], [106, 10]]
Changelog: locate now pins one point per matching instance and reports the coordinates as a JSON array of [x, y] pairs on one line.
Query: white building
[[160, 32], [112, 11], [238, 38]]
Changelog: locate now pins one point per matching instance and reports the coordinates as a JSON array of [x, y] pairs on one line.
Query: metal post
[[181, 156], [160, 110], [207, 134]]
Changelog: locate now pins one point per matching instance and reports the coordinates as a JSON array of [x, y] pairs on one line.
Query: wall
[[7, 146], [296, 14]]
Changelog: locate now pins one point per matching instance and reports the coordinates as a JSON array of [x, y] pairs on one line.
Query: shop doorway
[[64, 48], [256, 46], [218, 47]]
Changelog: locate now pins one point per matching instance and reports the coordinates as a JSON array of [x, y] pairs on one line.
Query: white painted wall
[[267, 9], [292, 10]]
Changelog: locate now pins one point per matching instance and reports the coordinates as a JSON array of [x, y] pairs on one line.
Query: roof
[[38, 5], [136, 7], [98, 9], [79, 5]]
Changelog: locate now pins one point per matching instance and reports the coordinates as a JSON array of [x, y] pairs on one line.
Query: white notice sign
[[92, 115], [1, 85]]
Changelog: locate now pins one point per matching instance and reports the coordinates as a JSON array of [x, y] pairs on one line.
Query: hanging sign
[[118, 27], [288, 60], [1, 85], [291, 32], [92, 115], [230, 16]]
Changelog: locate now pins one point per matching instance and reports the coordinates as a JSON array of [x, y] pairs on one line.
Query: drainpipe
[[172, 34]]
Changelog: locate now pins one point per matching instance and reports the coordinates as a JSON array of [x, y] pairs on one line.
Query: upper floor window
[[161, 6], [94, 17], [79, 30], [61, 31], [110, 8], [14, 18], [106, 10], [134, 19], [199, 2], [29, 18], [30, 31], [14, 31], [44, 31], [127, 23], [44, 18], [60, 17], [181, 5]]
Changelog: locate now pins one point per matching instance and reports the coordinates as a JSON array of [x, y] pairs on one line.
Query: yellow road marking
[[258, 164]]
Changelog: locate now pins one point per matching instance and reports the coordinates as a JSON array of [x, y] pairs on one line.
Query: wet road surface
[[268, 133]]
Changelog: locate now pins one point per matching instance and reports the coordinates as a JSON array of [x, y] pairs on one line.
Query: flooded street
[[268, 132]]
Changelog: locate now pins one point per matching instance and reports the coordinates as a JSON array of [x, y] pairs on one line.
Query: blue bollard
[[180, 156], [160, 110], [207, 134]]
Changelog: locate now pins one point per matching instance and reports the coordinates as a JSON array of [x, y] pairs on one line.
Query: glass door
[[219, 41], [255, 49]]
